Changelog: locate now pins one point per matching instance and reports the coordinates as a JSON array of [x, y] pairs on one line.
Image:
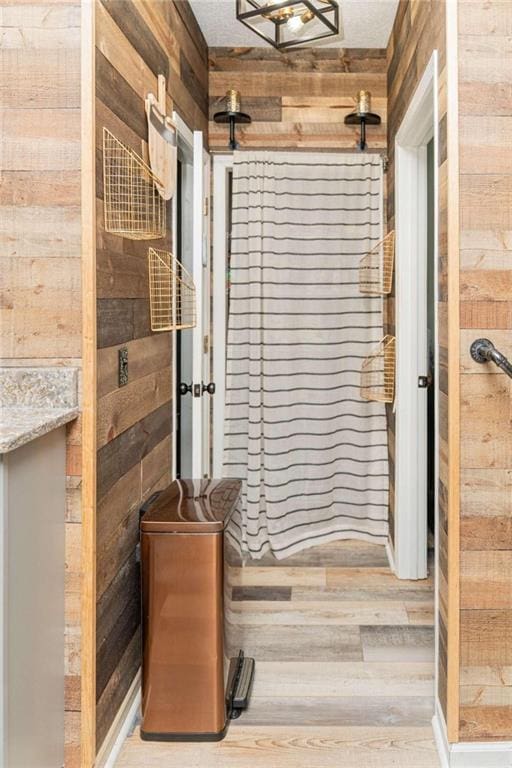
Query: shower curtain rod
[[226, 152]]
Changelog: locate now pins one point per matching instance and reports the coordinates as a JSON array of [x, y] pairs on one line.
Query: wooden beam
[[88, 192]]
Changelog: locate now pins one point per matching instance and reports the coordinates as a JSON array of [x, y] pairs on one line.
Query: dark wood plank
[[115, 321], [118, 685], [118, 616], [119, 96], [135, 29], [192, 83], [118, 456], [121, 320], [191, 24], [261, 108], [262, 593]]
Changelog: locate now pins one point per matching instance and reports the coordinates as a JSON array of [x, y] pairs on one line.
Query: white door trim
[[221, 165], [191, 144], [197, 332], [186, 145], [419, 125]]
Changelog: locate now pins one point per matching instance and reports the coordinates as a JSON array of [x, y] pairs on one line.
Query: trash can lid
[[191, 506]]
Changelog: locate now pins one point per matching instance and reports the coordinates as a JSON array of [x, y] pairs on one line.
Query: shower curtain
[[311, 453]]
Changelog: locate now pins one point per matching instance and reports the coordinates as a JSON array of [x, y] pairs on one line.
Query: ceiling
[[366, 24]]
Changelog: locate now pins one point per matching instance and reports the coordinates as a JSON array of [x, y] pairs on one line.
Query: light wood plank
[[87, 740], [297, 747], [255, 613], [329, 679], [287, 577]]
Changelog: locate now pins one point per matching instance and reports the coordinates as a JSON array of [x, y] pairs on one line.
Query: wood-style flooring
[[344, 668]]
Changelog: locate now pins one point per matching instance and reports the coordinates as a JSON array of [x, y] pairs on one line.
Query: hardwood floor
[[344, 668]]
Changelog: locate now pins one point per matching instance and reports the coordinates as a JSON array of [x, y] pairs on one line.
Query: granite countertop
[[33, 401], [20, 425]]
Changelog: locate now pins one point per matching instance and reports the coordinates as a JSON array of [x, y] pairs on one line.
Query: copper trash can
[[195, 677]]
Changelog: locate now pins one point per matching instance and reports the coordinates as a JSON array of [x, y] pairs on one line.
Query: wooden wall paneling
[[420, 28], [40, 240], [485, 120], [145, 356], [136, 40], [298, 99]]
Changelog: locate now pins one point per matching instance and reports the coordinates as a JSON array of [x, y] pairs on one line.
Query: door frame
[[192, 145], [418, 127], [222, 165]]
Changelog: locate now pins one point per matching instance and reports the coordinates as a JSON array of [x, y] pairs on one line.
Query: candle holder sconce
[[363, 116], [232, 115]]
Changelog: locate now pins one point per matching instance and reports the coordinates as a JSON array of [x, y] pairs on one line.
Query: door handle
[[196, 389]]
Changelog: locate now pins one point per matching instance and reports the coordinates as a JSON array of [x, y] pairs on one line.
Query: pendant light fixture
[[287, 23]]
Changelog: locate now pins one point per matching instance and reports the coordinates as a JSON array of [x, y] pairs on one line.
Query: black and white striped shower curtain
[[312, 454]]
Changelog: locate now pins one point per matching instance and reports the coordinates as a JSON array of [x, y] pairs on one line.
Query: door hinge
[[423, 382], [206, 206], [206, 344]]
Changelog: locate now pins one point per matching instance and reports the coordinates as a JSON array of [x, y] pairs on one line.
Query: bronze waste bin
[[195, 677]]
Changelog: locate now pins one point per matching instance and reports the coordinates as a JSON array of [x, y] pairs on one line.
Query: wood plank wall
[[297, 100], [40, 323], [419, 29], [135, 41], [485, 131]]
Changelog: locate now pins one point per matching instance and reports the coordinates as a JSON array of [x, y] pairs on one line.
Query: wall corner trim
[[478, 754], [121, 727]]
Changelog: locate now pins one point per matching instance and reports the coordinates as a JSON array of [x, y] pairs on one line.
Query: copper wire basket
[[172, 293], [376, 268], [378, 372], [133, 206]]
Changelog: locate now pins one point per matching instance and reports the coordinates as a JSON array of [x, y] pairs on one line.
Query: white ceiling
[[366, 24]]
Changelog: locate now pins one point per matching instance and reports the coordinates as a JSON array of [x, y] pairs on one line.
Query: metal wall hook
[[484, 351]]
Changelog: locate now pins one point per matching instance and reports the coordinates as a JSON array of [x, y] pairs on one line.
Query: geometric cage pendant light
[[288, 23]]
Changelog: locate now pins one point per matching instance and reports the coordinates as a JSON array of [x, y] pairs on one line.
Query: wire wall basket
[[376, 268], [172, 293], [133, 205], [378, 372]]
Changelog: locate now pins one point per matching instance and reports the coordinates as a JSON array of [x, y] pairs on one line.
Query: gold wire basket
[[172, 293], [378, 372], [376, 268], [133, 205]]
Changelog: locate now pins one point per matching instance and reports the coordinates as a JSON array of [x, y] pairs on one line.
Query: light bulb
[[297, 23]]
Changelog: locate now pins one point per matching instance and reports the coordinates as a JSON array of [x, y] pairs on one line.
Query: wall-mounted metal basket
[[172, 293], [132, 203], [376, 268], [378, 372]]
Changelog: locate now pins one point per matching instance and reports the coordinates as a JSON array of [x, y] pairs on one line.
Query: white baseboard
[[121, 727], [391, 555], [478, 754]]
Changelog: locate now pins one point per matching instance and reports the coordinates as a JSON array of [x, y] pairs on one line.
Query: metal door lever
[[484, 351]]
